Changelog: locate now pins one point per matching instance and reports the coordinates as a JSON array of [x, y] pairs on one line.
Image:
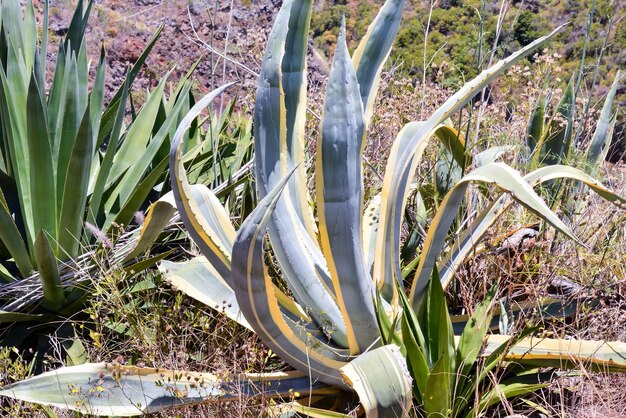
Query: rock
[[147, 2]]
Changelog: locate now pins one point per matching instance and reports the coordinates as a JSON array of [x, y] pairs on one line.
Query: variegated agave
[[336, 269]]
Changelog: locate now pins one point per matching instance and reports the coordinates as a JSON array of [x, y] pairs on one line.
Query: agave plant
[[68, 161], [550, 142], [451, 378], [339, 277]]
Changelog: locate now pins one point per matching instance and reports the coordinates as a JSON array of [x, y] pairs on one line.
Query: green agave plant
[[451, 378], [67, 161], [341, 276], [550, 141]]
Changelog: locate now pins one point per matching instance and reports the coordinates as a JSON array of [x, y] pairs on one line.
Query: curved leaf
[[294, 80], [608, 356], [197, 226], [42, 178], [158, 217], [198, 279], [258, 302], [382, 381], [463, 246], [12, 239], [497, 173], [12, 317], [406, 154], [301, 261], [339, 188], [74, 191], [373, 50], [491, 155], [106, 389], [601, 139]]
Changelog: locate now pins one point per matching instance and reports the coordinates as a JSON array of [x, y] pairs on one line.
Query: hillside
[[460, 41]]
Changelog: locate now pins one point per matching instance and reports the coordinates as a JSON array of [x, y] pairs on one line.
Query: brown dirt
[[125, 27]]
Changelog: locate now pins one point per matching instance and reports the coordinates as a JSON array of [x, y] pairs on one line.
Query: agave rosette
[[343, 270]]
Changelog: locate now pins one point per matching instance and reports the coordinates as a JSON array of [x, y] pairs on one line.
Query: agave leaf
[[467, 241], [196, 224], [199, 279], [12, 317], [436, 326], [41, 171], [454, 143], [493, 358], [78, 24], [15, 152], [406, 154], [382, 381], [76, 352], [472, 338], [10, 236], [497, 173], [373, 50], [107, 162], [74, 191], [57, 94], [548, 308], [48, 268], [508, 389], [437, 395], [557, 145], [132, 177], [105, 389], [467, 390], [388, 330], [547, 352], [491, 155], [294, 80], [415, 345], [137, 137], [416, 362], [244, 147], [215, 215], [302, 263], [146, 263], [254, 290], [29, 41], [339, 188], [387, 247], [294, 408], [96, 98], [130, 206], [158, 217], [453, 158], [601, 137], [72, 109]]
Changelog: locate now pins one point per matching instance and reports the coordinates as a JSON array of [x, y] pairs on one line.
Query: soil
[[191, 28]]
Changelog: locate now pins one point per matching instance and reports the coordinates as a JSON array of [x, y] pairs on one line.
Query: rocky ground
[[192, 29]]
